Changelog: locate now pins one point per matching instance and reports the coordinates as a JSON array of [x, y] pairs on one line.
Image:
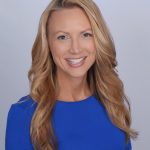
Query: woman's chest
[[86, 129]]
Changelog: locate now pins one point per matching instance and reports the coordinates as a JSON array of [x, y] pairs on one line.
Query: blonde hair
[[102, 77]]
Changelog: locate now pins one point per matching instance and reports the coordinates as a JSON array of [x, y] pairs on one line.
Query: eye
[[62, 37], [87, 35]]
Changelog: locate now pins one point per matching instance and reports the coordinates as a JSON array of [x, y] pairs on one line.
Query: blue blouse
[[80, 125]]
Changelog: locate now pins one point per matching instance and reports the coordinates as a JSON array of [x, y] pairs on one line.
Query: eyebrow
[[68, 32]]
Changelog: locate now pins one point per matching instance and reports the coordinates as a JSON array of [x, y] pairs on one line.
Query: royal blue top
[[79, 125]]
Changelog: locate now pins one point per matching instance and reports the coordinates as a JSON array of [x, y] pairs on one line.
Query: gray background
[[129, 23]]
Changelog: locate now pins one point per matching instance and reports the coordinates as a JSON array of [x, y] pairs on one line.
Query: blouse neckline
[[73, 102]]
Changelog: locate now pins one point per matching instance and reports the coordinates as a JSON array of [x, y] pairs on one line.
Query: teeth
[[75, 61]]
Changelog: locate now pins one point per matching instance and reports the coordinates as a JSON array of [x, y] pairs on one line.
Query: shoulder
[[25, 105], [25, 102], [18, 124]]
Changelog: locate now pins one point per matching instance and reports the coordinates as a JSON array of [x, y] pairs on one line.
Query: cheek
[[91, 48], [92, 51], [55, 50], [58, 48], [57, 53]]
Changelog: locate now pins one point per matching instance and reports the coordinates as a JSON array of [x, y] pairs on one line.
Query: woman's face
[[71, 42]]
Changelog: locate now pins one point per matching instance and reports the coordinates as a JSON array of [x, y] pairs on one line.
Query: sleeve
[[128, 146], [17, 135]]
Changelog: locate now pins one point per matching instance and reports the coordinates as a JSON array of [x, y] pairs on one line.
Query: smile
[[76, 62]]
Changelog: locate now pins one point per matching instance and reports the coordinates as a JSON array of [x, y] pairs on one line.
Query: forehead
[[68, 18]]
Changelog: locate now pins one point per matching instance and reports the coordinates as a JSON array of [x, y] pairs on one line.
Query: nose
[[75, 46]]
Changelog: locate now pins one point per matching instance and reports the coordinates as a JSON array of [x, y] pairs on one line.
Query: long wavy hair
[[102, 77]]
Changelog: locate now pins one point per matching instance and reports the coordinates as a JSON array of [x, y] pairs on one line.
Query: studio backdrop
[[129, 24]]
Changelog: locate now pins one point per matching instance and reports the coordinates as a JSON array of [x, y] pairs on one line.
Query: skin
[[70, 36]]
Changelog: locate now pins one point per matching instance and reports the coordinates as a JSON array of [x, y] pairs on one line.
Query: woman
[[76, 100]]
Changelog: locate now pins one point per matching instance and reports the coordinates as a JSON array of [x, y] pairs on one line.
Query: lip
[[77, 65], [76, 58]]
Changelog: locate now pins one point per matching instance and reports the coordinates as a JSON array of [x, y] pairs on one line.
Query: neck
[[72, 89]]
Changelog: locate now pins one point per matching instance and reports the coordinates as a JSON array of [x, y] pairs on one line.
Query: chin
[[77, 74]]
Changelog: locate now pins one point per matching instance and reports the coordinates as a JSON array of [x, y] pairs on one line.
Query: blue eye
[[62, 37], [87, 34]]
